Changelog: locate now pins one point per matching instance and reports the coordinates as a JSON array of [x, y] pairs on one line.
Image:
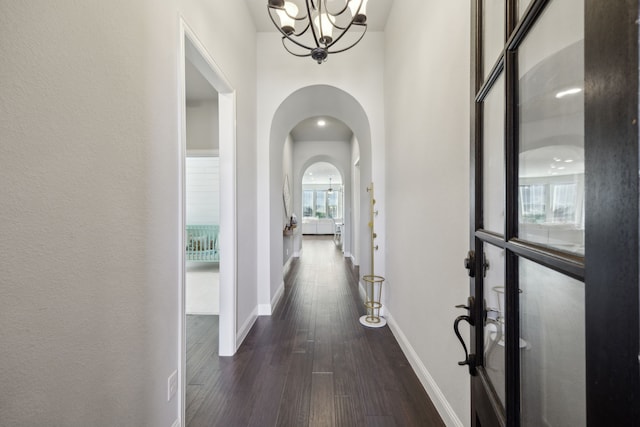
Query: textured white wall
[[427, 162], [89, 214]]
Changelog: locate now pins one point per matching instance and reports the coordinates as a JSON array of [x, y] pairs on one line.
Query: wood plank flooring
[[309, 364]]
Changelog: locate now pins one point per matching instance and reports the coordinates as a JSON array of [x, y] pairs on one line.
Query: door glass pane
[[551, 112], [494, 328], [552, 343], [493, 16], [493, 158]]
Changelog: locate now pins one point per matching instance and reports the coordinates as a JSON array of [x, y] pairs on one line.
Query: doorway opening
[[323, 201], [207, 235]]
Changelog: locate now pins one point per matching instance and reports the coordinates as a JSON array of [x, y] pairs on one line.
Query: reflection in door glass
[[552, 355], [551, 112], [494, 328], [493, 160]]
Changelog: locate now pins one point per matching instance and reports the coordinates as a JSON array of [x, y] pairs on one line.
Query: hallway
[[310, 363]]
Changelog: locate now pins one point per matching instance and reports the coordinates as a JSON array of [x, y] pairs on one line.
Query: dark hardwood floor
[[309, 364]]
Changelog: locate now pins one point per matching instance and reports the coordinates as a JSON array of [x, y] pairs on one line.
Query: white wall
[[356, 73], [427, 97], [288, 248], [89, 165], [202, 189], [202, 125], [354, 233]]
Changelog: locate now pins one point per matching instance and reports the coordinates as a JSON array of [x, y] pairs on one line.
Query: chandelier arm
[[353, 18], [274, 22], [347, 48], [303, 31], [302, 18], [284, 36], [339, 27], [344, 31], [313, 30], [300, 55]]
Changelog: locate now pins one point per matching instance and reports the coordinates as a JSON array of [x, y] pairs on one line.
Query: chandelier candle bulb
[[287, 15]]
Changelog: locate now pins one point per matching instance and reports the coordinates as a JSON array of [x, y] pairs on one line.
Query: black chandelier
[[319, 32]]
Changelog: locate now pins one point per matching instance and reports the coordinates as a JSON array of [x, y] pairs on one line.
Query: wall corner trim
[[443, 407], [245, 328]]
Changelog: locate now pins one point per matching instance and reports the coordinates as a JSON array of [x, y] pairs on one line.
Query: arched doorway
[[311, 101], [323, 202]]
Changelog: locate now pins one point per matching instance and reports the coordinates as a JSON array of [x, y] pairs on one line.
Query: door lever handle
[[469, 359]]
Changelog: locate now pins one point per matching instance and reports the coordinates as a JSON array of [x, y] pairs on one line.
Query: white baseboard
[[443, 407], [277, 297], [296, 254], [246, 327], [353, 260], [176, 423], [347, 255], [267, 309], [264, 309]]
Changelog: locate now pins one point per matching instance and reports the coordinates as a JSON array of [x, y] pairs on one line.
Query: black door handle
[[469, 359]]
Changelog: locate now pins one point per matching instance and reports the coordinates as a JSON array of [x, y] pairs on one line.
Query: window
[[322, 204], [307, 203]]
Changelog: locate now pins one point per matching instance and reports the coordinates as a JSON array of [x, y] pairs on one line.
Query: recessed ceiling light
[[568, 161], [571, 91], [321, 122]]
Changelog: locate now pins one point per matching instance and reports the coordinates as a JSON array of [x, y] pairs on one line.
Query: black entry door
[[554, 214]]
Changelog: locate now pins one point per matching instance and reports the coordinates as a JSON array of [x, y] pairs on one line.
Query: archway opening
[[305, 103], [322, 200]]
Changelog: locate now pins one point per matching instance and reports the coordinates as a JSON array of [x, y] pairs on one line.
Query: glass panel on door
[[494, 29], [551, 113], [494, 328], [552, 347], [493, 158]]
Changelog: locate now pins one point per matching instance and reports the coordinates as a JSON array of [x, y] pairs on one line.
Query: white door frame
[[191, 48]]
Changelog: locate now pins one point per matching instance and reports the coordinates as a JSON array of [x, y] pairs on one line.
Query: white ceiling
[[377, 13], [333, 130]]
